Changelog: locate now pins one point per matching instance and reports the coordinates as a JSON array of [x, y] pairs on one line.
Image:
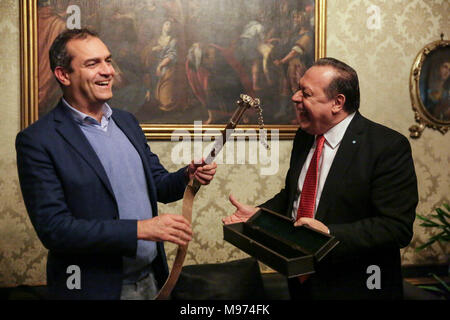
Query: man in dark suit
[[365, 191], [91, 184]]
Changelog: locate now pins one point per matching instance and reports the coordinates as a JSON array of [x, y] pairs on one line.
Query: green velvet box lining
[[303, 238]]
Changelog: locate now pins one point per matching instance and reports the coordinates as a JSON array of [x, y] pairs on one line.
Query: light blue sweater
[[125, 172]]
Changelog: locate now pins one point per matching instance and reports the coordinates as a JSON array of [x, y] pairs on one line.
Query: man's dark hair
[[345, 82], [59, 57]]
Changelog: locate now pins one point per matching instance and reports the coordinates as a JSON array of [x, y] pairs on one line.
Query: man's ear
[[62, 75], [339, 102]]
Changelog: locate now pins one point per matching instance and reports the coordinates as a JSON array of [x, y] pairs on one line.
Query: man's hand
[[243, 212], [313, 223], [165, 227], [203, 172]]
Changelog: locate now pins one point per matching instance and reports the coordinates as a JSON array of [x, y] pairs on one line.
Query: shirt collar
[[81, 117], [334, 136]]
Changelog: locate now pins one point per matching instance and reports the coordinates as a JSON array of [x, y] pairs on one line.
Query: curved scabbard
[[188, 202], [191, 190]]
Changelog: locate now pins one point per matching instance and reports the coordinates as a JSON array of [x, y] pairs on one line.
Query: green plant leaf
[[423, 218], [436, 216], [441, 216], [437, 236], [442, 282], [444, 221], [443, 213], [430, 225], [441, 223], [426, 244], [446, 206], [431, 288]]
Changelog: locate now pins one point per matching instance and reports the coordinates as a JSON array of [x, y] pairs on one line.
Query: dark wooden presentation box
[[272, 239]]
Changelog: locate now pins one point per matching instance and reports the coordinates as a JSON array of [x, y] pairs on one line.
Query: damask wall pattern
[[383, 58], [22, 257], [382, 51]]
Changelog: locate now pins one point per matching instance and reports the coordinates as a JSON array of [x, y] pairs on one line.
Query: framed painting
[[182, 61], [430, 88]]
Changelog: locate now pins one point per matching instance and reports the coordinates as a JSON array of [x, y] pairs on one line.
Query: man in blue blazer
[[366, 191], [91, 184]]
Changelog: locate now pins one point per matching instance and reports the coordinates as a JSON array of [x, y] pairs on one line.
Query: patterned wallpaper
[[22, 257], [382, 52], [383, 58]]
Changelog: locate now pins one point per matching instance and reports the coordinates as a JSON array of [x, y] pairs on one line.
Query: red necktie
[[309, 191]]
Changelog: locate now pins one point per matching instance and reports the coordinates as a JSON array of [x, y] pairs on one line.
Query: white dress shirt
[[333, 138]]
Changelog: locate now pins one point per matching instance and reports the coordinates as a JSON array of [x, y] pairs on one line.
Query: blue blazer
[[368, 203], [72, 207]]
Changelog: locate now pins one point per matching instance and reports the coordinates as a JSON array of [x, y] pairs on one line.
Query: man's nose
[[107, 69], [297, 97]]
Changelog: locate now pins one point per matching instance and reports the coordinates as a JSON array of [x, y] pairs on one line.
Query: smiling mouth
[[103, 83], [302, 114], [300, 110]]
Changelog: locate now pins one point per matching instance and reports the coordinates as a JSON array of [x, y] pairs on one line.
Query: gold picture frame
[[430, 88], [30, 62]]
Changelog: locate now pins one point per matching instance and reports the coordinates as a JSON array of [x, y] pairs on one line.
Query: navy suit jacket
[[72, 206], [368, 203]]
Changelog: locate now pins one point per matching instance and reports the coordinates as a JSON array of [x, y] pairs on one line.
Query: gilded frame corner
[[423, 115]]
